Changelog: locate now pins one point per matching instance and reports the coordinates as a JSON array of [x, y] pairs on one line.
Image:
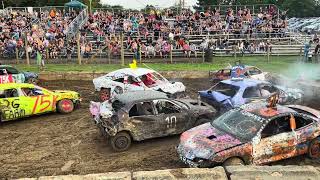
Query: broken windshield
[[239, 123], [226, 89], [152, 79]]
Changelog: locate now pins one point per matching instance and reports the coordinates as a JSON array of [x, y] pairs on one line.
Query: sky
[[138, 4]]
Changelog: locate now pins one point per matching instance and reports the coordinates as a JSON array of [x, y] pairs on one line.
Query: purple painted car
[[253, 134]]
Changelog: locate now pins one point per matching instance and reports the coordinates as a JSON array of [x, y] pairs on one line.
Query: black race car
[[144, 115]]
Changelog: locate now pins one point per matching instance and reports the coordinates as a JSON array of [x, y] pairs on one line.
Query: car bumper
[[106, 127], [192, 163]]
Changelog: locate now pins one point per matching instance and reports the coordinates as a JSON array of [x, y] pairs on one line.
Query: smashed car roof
[[244, 82], [261, 109], [140, 96], [133, 72]]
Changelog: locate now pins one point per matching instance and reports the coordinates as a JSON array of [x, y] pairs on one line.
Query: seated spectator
[[150, 51]]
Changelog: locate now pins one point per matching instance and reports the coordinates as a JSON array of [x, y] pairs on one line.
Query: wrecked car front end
[[204, 146], [105, 118]]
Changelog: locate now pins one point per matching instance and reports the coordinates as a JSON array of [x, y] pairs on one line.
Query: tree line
[[294, 8]]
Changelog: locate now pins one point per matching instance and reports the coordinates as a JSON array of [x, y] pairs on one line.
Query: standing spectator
[[193, 49], [306, 50], [69, 50], [317, 52]]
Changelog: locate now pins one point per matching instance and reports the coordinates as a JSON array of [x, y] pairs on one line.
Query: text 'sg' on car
[[144, 115], [253, 134], [22, 100], [128, 79]]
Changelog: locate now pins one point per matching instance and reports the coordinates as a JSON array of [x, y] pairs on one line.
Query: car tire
[[234, 161], [32, 81], [104, 94], [201, 121], [314, 148], [120, 142], [65, 106]]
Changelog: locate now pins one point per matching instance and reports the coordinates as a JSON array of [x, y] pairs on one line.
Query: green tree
[[298, 8]]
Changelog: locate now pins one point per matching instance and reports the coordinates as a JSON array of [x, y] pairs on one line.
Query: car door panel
[[11, 109], [275, 148], [145, 127]]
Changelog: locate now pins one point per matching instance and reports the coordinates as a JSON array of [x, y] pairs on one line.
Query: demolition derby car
[[253, 134], [144, 115], [129, 79], [232, 93], [238, 71], [22, 100], [9, 74]]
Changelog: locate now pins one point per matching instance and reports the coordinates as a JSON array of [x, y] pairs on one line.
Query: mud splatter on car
[[253, 134]]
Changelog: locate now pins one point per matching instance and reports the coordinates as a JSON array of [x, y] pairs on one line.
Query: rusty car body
[[253, 134], [144, 115]]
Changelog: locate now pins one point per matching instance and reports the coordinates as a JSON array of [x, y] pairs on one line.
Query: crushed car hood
[[204, 141], [214, 96], [201, 108], [170, 87]]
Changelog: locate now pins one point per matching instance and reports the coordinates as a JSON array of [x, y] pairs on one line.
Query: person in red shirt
[[147, 80]]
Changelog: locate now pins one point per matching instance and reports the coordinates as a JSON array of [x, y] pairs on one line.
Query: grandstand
[[66, 33]]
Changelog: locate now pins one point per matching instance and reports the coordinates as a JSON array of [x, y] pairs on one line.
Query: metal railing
[[77, 23]]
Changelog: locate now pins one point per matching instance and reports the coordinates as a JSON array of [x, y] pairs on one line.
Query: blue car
[[232, 93]]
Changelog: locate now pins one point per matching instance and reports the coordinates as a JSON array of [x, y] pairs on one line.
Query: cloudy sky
[[136, 4]]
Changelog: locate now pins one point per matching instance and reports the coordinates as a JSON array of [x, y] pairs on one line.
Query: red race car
[[256, 133]]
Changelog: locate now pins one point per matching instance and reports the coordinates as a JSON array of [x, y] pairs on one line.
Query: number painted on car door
[[171, 121]]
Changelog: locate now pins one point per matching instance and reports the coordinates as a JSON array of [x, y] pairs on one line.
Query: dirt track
[[57, 144]]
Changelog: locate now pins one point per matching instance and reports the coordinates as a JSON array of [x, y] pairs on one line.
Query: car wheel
[[121, 141], [32, 81], [314, 149], [234, 161], [202, 121], [104, 94], [65, 106]]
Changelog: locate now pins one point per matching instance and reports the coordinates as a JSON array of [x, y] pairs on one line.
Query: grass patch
[[276, 64]]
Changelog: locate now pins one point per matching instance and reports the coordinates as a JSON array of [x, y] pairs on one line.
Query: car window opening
[[9, 93], [226, 89], [141, 109], [277, 126], [166, 107]]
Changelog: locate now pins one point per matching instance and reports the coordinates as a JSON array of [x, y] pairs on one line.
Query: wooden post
[[122, 49], [47, 53], [140, 53], [26, 47], [79, 48], [268, 53], [109, 54], [171, 49], [203, 55], [17, 55], [234, 48]]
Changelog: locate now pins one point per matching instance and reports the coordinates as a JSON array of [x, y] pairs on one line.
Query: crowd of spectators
[[150, 34], [157, 33], [44, 32]]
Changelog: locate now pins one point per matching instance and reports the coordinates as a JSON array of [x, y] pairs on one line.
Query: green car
[[9, 74]]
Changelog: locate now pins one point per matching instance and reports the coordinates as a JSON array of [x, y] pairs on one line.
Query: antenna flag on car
[[133, 65]]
